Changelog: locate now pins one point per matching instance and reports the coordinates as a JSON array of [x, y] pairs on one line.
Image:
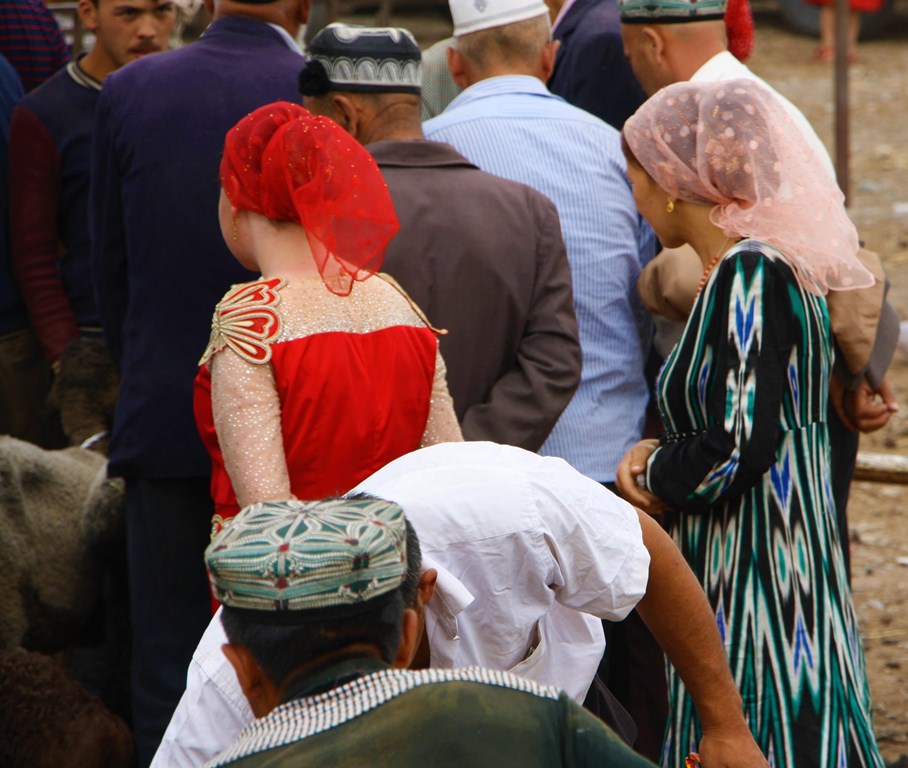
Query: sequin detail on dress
[[245, 321]]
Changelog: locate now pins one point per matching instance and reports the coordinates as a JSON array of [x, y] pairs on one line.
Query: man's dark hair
[[279, 649]]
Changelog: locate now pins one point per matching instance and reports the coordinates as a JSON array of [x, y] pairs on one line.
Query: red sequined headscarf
[[288, 165]]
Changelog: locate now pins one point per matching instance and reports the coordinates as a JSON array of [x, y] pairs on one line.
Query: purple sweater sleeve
[[35, 184]]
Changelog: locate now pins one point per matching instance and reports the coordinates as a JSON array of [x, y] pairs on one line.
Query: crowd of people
[[476, 378]]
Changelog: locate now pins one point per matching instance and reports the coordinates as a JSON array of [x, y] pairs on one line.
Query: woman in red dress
[[321, 372], [826, 49]]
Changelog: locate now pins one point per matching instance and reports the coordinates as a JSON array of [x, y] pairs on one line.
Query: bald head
[[521, 48], [662, 54]]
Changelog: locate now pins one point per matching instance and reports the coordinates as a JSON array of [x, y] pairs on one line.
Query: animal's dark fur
[[48, 721], [63, 583]]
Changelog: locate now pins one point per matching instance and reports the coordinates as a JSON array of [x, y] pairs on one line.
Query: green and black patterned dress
[[745, 464]]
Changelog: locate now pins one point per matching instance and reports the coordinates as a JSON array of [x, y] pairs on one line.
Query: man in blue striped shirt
[[508, 123]]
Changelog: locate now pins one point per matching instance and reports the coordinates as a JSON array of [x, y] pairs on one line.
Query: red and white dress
[[304, 393]]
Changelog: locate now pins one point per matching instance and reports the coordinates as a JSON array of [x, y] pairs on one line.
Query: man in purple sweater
[[159, 266]]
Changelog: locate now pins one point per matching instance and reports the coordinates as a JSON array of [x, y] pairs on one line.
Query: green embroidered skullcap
[[670, 11], [282, 559]]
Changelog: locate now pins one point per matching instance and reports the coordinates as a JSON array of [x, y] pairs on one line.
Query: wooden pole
[[881, 468], [842, 111], [384, 13]]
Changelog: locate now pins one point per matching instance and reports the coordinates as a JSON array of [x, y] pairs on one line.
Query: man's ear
[[549, 56], [346, 112], [426, 587], [88, 14], [259, 691], [209, 6], [457, 66], [409, 640], [655, 43]]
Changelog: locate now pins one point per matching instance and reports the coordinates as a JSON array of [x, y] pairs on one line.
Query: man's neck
[[97, 64], [554, 7], [694, 65], [331, 670], [396, 122], [488, 74], [271, 13], [691, 45]]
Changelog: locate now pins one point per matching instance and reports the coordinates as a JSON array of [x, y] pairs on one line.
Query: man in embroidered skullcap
[[316, 611], [521, 554], [481, 255]]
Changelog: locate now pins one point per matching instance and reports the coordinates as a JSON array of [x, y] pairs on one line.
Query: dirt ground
[[879, 207]]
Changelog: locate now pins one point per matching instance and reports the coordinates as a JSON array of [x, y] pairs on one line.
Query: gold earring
[[236, 229], [671, 206]]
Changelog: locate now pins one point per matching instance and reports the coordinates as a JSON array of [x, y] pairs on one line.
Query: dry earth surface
[[879, 207]]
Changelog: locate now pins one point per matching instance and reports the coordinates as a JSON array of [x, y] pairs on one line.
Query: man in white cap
[[508, 123]]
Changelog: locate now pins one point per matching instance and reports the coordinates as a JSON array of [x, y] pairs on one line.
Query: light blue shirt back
[[513, 127]]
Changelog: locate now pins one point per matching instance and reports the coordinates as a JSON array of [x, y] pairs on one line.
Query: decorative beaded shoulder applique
[[299, 719], [245, 321]]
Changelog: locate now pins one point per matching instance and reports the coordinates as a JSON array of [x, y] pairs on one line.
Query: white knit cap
[[473, 15]]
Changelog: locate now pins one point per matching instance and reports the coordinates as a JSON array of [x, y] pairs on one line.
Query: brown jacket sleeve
[[524, 404], [862, 324], [668, 284]]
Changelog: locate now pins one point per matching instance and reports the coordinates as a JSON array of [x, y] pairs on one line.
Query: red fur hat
[[739, 25]]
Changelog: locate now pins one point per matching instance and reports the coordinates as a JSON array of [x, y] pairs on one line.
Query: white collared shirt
[[724, 66], [292, 44], [528, 553]]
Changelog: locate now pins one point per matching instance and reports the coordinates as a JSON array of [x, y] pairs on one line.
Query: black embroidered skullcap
[[344, 57]]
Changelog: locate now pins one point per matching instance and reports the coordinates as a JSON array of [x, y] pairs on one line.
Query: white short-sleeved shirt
[[530, 555], [724, 66]]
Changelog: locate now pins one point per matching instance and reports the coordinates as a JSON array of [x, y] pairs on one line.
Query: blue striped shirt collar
[[501, 85]]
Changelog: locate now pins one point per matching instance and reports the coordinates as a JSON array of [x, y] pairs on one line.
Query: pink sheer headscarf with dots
[[733, 145]]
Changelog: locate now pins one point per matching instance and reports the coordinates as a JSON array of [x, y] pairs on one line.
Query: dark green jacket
[[463, 718]]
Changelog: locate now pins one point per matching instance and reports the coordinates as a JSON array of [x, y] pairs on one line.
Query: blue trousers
[[168, 523]]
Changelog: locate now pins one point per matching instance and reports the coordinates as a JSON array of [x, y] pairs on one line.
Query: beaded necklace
[[711, 266]]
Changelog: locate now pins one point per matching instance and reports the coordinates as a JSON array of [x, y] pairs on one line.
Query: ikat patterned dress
[[745, 464]]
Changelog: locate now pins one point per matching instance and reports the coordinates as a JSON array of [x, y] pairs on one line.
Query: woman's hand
[[631, 467]]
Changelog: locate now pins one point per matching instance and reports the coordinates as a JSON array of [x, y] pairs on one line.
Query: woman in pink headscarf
[[744, 465]]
